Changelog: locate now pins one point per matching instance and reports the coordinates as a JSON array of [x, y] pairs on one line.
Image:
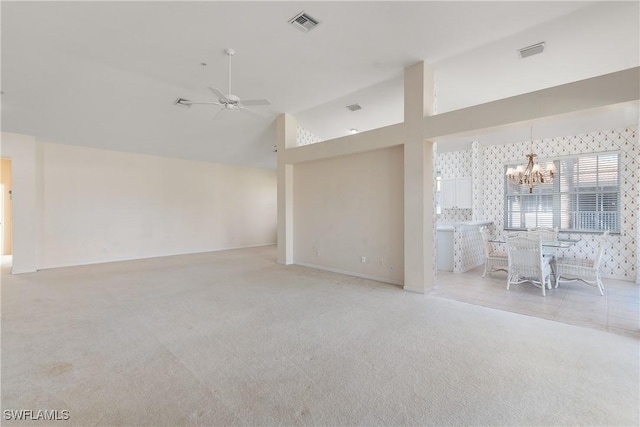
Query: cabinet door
[[448, 193], [464, 193]]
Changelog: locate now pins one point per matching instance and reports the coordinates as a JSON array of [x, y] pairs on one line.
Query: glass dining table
[[549, 249], [557, 244]]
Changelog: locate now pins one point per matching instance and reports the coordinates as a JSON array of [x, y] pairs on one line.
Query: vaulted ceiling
[[106, 74]]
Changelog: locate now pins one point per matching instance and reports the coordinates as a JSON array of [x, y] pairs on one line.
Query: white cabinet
[[456, 193]]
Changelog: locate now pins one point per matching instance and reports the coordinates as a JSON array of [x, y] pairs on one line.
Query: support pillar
[[419, 202], [286, 129]]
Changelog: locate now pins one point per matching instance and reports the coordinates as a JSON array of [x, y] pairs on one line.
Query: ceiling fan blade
[[201, 103], [220, 114], [219, 94], [255, 102], [252, 113]]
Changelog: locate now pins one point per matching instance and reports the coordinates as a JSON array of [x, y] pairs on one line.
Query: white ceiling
[[105, 74]]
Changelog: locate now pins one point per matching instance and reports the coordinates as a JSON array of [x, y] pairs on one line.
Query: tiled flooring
[[618, 311]]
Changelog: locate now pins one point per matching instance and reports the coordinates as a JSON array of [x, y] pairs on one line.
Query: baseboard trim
[[124, 259], [349, 273], [259, 245], [415, 290]]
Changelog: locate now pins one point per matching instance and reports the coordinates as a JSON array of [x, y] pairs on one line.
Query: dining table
[[549, 249], [557, 244]]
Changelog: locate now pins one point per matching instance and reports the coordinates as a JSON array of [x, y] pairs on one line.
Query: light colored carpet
[[231, 338]]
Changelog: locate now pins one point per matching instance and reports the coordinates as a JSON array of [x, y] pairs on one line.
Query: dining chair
[[586, 270], [493, 260], [547, 234], [527, 263]]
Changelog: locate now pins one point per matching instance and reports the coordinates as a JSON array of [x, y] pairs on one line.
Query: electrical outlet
[[363, 259]]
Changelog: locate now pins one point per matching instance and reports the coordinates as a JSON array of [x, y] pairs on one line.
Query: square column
[[419, 201], [286, 128]]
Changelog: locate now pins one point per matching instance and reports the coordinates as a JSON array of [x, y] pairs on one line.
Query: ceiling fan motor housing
[[227, 101], [233, 99], [232, 102]]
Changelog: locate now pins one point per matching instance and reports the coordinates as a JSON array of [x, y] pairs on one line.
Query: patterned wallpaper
[[455, 215], [477, 182], [468, 248], [304, 137], [620, 260], [457, 164]]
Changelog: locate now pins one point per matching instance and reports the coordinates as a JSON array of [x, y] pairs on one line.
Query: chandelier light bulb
[[532, 173]]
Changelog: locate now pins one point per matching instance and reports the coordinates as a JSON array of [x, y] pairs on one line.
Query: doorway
[[6, 237]]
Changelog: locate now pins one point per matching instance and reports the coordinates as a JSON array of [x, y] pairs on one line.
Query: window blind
[[584, 196]]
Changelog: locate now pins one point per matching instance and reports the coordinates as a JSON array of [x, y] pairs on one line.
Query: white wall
[[98, 205], [23, 152], [608, 41], [349, 207]]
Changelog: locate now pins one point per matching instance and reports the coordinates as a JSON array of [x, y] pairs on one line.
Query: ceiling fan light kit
[[227, 101]]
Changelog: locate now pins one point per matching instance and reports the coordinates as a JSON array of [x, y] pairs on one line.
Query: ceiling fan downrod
[[230, 52]]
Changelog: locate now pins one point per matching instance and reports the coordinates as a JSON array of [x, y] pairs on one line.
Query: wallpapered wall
[[304, 137], [456, 164], [469, 248], [487, 166]]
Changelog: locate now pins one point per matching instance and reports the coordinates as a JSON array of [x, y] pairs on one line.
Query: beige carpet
[[231, 338]]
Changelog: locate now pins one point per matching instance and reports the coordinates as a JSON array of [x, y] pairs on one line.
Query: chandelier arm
[[531, 174]]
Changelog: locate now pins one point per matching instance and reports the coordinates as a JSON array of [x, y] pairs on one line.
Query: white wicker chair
[[586, 270], [526, 263], [547, 234], [493, 260]]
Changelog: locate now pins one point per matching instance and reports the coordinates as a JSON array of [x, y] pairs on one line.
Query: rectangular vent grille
[[535, 49], [354, 107], [304, 22]]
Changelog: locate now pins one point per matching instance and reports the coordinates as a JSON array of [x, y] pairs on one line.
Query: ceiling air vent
[[304, 22], [531, 50], [354, 107]]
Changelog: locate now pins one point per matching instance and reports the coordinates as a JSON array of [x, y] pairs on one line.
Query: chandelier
[[532, 173]]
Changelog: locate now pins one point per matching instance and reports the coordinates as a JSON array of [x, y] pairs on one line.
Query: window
[[584, 196]]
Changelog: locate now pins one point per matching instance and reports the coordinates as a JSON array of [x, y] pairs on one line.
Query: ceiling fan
[[227, 101]]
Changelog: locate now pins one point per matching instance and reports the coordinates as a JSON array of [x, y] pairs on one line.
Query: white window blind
[[584, 196]]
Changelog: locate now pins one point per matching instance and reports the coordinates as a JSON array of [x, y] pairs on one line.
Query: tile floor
[[618, 311]]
